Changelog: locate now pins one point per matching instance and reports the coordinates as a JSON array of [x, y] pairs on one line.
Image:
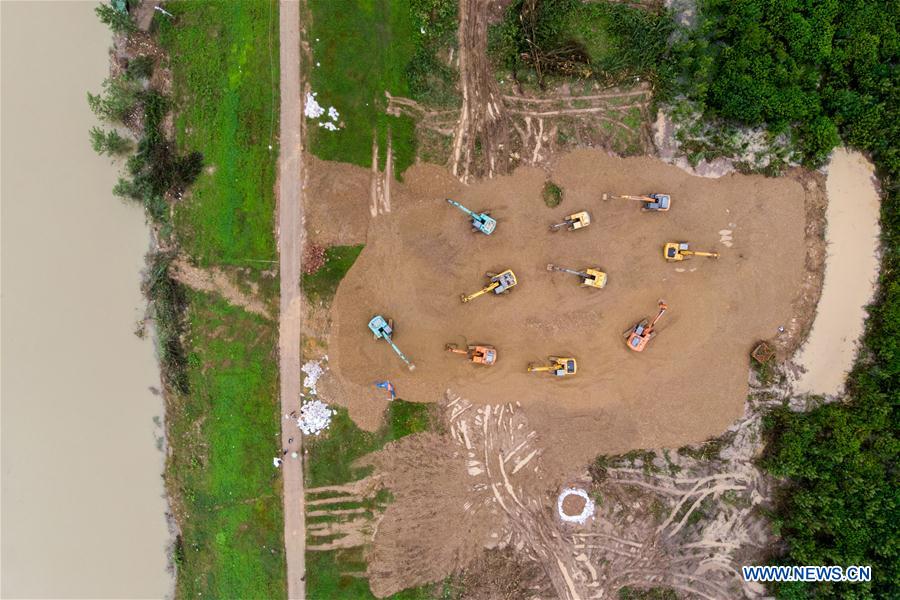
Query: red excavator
[[640, 335]]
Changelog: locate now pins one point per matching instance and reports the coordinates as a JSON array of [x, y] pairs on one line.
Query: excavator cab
[[500, 283], [574, 221], [677, 251], [657, 203], [559, 366], [479, 355], [640, 335]]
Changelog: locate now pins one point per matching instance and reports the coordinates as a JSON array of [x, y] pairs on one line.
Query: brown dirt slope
[[691, 382]]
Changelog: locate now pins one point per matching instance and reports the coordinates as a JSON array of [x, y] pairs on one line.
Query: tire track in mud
[[483, 123]]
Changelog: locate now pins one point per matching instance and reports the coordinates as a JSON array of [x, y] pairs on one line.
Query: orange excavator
[[479, 355], [640, 335]]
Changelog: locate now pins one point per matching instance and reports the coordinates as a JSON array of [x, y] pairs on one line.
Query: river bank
[[83, 498]]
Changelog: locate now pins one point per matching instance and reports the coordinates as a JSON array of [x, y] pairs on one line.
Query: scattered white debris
[[318, 64], [422, 30], [277, 462], [315, 416], [586, 512], [313, 370], [313, 109]]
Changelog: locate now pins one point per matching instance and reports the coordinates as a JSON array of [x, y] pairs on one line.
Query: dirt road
[[290, 248]]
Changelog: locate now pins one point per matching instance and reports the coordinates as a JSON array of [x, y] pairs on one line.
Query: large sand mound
[[689, 384]]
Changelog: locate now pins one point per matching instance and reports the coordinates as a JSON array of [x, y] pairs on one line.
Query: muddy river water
[[82, 497], [851, 271]]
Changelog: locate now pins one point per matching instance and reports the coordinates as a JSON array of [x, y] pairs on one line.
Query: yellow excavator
[[640, 335], [589, 277], [574, 221], [559, 366], [500, 283], [651, 202], [480, 355], [675, 251]]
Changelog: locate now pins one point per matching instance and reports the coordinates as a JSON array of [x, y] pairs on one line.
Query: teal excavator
[[482, 222], [384, 329]]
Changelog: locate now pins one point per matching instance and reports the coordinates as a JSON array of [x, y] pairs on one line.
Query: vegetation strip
[[217, 361]]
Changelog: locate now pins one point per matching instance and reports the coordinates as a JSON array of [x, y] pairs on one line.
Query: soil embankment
[[851, 271], [690, 383]]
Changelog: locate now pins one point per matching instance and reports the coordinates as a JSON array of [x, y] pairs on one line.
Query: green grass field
[[224, 60], [362, 48], [223, 435], [223, 432]]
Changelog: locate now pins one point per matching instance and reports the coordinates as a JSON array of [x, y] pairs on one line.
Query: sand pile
[[689, 384]]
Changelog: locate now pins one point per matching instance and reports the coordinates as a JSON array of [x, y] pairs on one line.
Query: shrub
[[111, 142], [117, 20], [552, 194]]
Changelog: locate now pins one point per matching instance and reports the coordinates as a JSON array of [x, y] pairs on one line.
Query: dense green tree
[[117, 20]]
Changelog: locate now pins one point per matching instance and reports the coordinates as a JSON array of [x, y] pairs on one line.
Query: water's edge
[[84, 506]]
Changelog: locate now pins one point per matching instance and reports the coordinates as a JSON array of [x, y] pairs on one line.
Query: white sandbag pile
[[315, 417]]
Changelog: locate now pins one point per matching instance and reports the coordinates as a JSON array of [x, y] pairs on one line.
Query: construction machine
[[651, 202], [640, 335], [559, 366], [480, 355], [575, 221], [675, 251], [589, 277], [482, 222], [384, 329], [500, 283]]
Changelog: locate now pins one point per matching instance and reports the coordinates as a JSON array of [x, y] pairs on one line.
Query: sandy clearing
[[688, 386], [851, 270]]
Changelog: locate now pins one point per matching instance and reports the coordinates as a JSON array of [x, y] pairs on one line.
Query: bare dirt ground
[[689, 385], [482, 497]]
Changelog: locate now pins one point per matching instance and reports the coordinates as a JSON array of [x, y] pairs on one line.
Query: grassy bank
[[219, 362], [224, 61], [223, 435]]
